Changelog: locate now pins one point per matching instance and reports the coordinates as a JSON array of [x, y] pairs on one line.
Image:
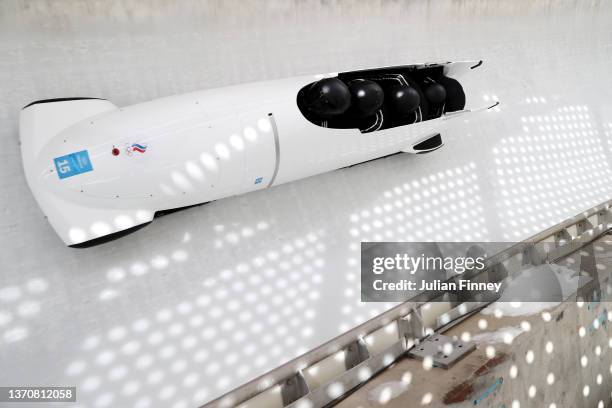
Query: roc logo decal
[[131, 148]]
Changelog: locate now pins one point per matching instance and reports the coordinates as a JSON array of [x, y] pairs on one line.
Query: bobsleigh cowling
[[96, 169]]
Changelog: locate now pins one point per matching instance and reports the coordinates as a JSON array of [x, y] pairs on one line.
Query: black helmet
[[403, 99], [435, 93], [455, 97], [366, 97], [327, 97]]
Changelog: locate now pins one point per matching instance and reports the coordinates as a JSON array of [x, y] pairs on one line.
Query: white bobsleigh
[[96, 169]]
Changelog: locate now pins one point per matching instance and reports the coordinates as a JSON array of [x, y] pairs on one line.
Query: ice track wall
[[203, 300]]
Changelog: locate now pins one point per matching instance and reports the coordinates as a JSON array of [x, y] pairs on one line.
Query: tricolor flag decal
[[139, 148]]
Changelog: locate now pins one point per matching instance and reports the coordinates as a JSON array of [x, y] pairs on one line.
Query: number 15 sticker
[[72, 164]]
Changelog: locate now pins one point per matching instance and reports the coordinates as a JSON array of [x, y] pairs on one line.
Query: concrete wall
[[528, 354], [553, 358]]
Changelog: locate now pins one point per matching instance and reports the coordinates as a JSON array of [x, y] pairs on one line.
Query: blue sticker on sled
[[72, 164]]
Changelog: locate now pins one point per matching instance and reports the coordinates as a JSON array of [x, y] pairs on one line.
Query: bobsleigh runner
[[96, 170]]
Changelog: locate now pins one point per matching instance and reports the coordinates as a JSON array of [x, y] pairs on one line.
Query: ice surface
[[510, 303], [203, 300], [502, 335], [387, 391]]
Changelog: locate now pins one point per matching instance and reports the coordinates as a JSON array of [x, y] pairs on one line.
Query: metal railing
[[332, 370]]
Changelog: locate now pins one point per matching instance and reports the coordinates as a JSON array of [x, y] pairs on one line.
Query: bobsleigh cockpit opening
[[377, 99]]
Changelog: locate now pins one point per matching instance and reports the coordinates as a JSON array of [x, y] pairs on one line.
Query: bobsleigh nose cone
[[366, 97], [404, 99], [328, 97], [435, 93]]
